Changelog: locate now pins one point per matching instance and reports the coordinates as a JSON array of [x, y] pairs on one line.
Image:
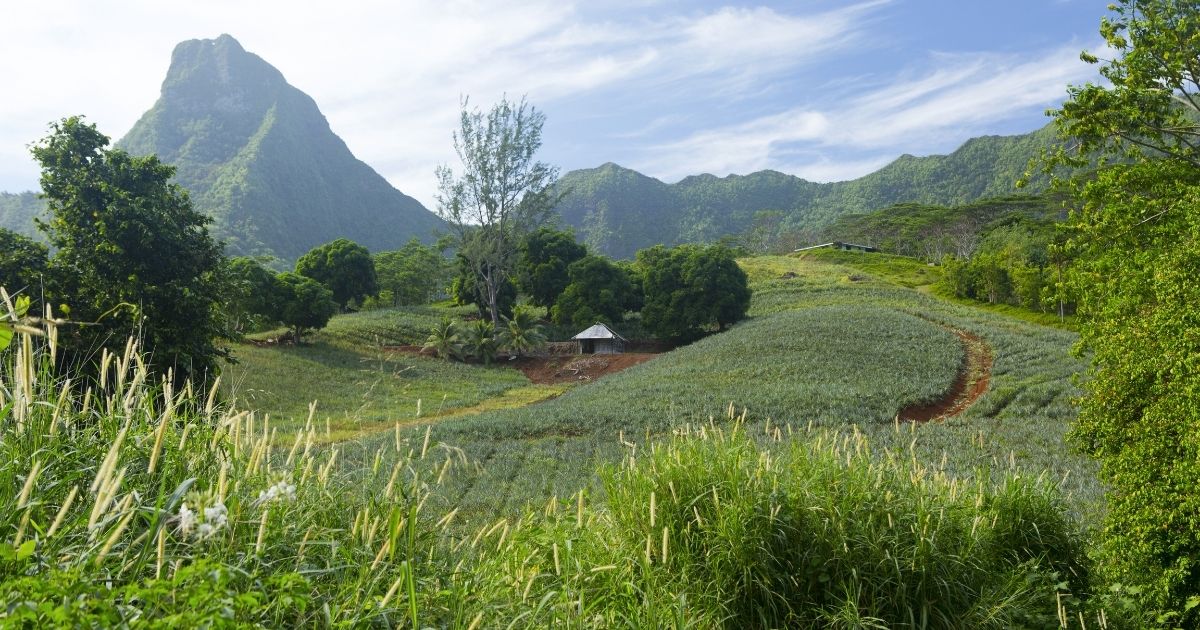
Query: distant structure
[[846, 247], [600, 339]]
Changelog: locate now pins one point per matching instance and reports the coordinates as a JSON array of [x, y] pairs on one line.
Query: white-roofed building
[[600, 339]]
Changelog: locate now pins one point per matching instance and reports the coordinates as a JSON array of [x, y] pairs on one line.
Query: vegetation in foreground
[[138, 504]]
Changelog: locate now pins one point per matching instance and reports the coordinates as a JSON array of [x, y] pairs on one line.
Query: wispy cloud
[[957, 95], [389, 75]]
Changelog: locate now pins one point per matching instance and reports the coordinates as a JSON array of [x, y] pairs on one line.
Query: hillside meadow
[[760, 477]]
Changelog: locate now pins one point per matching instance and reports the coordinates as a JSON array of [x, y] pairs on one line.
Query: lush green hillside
[[259, 157], [929, 231], [826, 345], [619, 211], [18, 211]]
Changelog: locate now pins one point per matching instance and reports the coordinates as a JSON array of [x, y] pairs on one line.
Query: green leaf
[[26, 550]]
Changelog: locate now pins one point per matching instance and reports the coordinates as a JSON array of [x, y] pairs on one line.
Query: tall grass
[[123, 501]]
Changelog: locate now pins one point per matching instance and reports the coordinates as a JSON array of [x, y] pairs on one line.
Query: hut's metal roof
[[598, 331]]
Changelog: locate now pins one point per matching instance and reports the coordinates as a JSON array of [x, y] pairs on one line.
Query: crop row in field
[[820, 348]]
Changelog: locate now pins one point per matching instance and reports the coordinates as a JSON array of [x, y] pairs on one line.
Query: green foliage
[[303, 303], [132, 256], [20, 213], [468, 287], [445, 339], [1136, 241], [501, 195], [930, 232], [812, 535], [691, 290], [618, 211], [546, 254], [253, 296], [23, 263], [344, 267], [270, 172], [413, 274], [521, 334], [599, 291], [479, 341]]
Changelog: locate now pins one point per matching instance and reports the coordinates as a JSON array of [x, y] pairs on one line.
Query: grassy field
[[826, 348], [758, 477]]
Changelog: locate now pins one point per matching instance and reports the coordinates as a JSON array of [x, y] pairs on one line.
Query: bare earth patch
[[972, 382], [556, 369]]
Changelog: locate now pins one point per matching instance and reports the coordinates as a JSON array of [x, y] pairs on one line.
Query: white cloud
[[389, 75], [961, 95]]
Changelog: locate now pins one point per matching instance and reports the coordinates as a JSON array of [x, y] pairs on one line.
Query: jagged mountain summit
[[618, 211], [260, 158]]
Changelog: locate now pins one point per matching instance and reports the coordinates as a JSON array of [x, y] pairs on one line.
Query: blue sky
[[824, 90]]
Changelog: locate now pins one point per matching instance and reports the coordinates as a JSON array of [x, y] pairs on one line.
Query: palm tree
[[444, 339], [522, 333], [481, 340]]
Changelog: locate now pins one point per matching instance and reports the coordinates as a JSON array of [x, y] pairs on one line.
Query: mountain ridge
[[260, 158], [705, 207]]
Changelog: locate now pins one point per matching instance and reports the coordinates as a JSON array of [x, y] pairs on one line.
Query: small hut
[[846, 247], [600, 339]]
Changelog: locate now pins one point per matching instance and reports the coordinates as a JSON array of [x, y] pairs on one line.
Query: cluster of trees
[[482, 341], [130, 256], [931, 232], [337, 276], [1135, 243], [498, 207], [679, 293], [1017, 263]]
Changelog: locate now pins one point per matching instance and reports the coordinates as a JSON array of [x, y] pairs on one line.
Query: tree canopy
[[413, 274], [304, 303], [344, 267], [691, 290], [501, 194], [132, 256], [23, 263], [1136, 243], [546, 254], [599, 291]]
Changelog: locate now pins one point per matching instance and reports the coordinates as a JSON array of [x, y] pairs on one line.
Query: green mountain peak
[[259, 157]]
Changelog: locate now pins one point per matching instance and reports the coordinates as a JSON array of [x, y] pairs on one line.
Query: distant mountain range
[[618, 211], [259, 157]]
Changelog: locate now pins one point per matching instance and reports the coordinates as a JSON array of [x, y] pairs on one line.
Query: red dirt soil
[[577, 368], [560, 368], [973, 378]]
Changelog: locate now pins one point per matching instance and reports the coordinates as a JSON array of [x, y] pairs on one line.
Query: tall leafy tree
[[1136, 241], [546, 254], [413, 274], [691, 290], [23, 263], [252, 295], [132, 256], [599, 291], [344, 267], [468, 288], [501, 194], [304, 304]]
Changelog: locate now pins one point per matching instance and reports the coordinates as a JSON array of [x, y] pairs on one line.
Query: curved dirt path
[[973, 378]]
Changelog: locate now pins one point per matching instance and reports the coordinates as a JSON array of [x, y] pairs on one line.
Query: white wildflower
[[207, 517], [187, 519], [282, 490], [216, 515]]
